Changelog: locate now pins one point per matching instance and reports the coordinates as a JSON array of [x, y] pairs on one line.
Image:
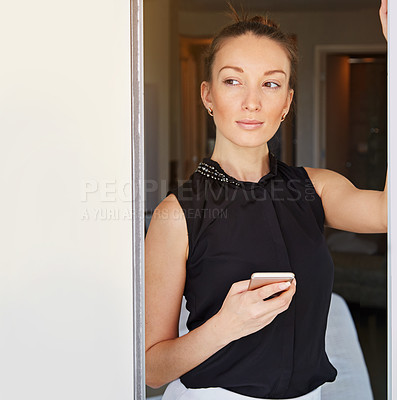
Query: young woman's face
[[249, 92]]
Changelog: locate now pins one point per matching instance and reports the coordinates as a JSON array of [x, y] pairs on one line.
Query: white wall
[[311, 28], [65, 271]]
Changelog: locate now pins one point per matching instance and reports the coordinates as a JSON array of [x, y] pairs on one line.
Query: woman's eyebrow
[[275, 71], [238, 69]]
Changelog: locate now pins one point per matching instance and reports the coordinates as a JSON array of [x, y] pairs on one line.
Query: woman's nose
[[252, 102]]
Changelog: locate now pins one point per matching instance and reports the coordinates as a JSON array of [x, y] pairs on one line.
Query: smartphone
[[259, 279]]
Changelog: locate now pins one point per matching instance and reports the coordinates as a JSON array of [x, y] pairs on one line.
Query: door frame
[[136, 23], [138, 194]]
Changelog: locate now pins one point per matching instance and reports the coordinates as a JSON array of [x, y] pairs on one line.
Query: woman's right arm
[[166, 248], [243, 312]]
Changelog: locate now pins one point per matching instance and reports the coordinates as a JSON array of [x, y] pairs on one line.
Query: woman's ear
[[206, 95], [290, 96]]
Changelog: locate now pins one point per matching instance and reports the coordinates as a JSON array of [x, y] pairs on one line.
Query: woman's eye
[[232, 82], [272, 85]]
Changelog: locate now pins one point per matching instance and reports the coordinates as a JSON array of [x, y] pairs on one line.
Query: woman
[[244, 211]]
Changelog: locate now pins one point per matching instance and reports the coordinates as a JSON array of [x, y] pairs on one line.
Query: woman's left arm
[[347, 207]]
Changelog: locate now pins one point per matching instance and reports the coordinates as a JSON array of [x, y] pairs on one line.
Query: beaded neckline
[[211, 169], [211, 172]]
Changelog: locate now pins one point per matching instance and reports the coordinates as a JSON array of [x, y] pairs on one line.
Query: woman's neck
[[243, 163]]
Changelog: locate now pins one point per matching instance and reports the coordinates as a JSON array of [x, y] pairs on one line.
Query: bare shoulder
[[346, 206], [168, 224], [323, 178], [169, 212]]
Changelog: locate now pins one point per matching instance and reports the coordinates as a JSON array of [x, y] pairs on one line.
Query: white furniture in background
[[344, 352]]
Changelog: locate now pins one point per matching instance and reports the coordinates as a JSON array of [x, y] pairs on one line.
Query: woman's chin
[[250, 143], [250, 140]]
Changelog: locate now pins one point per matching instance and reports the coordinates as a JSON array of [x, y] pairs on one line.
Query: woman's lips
[[249, 124]]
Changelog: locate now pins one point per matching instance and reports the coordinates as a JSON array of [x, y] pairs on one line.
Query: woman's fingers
[[383, 17], [277, 304], [239, 287], [266, 291], [284, 299]]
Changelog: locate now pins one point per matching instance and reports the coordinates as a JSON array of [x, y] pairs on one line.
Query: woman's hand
[[244, 312], [383, 17]]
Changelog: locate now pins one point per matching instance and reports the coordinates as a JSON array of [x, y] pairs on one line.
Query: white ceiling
[[278, 5]]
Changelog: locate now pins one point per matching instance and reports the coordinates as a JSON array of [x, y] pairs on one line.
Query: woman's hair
[[259, 26]]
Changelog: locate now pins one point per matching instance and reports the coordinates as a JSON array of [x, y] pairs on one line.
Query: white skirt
[[176, 390]]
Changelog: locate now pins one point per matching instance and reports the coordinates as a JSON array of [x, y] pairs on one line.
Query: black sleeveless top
[[236, 228]]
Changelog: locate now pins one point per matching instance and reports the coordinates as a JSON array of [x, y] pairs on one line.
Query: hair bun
[[264, 21], [257, 19]]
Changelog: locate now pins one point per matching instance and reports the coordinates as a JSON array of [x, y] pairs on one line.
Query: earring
[[283, 117], [210, 111]]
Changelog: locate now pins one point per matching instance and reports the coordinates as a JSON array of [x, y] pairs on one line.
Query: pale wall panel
[[65, 173]]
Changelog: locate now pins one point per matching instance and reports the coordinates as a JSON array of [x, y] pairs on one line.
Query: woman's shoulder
[[291, 171], [202, 190], [320, 177], [170, 205], [168, 217], [308, 179], [168, 226]]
